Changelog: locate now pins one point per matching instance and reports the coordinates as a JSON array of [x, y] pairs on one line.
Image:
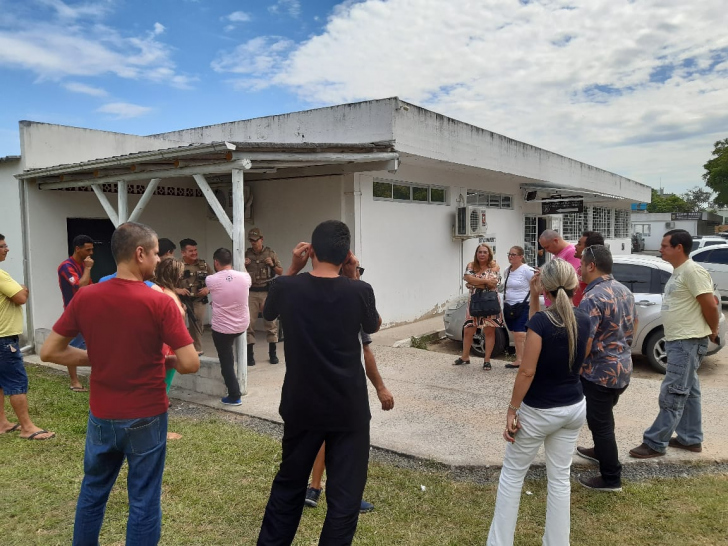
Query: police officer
[[263, 265], [192, 290]]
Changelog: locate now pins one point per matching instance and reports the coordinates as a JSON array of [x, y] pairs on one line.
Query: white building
[[653, 225], [394, 172]]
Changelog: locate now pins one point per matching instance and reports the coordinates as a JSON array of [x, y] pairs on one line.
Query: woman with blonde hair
[[482, 273], [167, 274], [547, 406]]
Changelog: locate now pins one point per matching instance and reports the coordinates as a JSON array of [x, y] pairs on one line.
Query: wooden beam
[[238, 237], [110, 212], [214, 204], [146, 197], [225, 167], [317, 157]]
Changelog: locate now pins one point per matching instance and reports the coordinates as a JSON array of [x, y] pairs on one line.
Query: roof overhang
[[213, 158]]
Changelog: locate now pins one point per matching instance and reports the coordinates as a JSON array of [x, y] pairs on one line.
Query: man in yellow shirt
[[13, 379], [690, 316]]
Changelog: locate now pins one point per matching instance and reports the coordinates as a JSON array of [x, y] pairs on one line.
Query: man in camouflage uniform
[[193, 291], [263, 265]]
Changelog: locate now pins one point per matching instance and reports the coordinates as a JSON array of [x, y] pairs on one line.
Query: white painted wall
[[408, 250], [172, 217]]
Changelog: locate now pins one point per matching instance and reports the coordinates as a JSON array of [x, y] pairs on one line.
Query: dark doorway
[[100, 230]]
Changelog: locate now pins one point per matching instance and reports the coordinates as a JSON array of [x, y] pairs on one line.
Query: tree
[[668, 203], [716, 172], [699, 199]]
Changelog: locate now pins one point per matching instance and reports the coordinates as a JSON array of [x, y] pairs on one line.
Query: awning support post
[[123, 207], [110, 212], [144, 201], [238, 237]]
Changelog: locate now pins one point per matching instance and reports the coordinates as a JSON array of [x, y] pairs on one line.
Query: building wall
[[658, 227]]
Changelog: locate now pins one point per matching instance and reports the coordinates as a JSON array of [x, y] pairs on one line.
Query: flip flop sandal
[[460, 362], [487, 366], [14, 428], [34, 436], [78, 389]]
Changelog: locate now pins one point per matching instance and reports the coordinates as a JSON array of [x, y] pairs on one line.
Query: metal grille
[[573, 225], [490, 200], [622, 222], [530, 240], [601, 221]]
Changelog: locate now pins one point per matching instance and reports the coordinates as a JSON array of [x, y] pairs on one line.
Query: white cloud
[[291, 7], [238, 17], [620, 84], [260, 56], [124, 110], [68, 46], [76, 87]]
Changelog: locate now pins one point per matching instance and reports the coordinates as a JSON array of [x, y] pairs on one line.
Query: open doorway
[[100, 230]]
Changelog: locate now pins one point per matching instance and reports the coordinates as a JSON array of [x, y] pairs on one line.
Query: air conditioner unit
[[669, 225], [223, 198], [470, 222]]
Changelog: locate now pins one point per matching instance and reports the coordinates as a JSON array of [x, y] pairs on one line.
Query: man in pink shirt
[[552, 242], [230, 317]]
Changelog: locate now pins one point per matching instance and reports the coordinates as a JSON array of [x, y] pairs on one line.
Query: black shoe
[[251, 358], [512, 366], [597, 483], [695, 448], [312, 497], [587, 453], [643, 451], [486, 366], [272, 353], [460, 362]]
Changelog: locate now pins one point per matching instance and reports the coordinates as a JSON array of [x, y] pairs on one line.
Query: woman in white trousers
[[547, 406]]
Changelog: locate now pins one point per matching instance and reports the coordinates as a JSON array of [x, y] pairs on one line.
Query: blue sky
[[636, 87]]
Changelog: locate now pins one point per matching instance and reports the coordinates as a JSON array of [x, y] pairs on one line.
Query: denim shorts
[[13, 379]]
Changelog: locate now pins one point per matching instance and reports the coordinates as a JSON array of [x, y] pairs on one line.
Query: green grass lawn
[[218, 477]]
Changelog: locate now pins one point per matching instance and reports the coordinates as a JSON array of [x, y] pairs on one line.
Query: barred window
[[389, 190], [622, 223], [573, 225], [489, 199], [644, 229], [530, 238], [601, 221]]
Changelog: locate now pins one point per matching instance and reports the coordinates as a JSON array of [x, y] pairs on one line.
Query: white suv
[[710, 240]]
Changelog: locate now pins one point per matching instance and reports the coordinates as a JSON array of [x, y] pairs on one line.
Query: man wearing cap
[[193, 291], [263, 265]]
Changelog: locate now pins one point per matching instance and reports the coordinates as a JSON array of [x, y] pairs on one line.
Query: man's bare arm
[[21, 297], [186, 359], [711, 313], [56, 350], [370, 365]]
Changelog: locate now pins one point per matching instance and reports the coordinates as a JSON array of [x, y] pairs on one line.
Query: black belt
[[11, 338], [259, 289]]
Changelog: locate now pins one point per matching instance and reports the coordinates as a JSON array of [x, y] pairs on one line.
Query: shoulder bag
[[512, 311]]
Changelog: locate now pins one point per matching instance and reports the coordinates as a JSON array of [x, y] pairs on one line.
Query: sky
[[635, 87]]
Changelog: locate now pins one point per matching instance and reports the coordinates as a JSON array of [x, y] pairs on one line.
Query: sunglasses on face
[[360, 270]]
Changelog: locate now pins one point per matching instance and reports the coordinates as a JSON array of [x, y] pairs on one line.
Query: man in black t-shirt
[[324, 395]]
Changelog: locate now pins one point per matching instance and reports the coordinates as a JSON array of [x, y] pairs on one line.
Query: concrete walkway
[[455, 415]]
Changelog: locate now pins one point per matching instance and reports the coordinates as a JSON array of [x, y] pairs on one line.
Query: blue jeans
[[143, 443], [13, 379], [680, 408]]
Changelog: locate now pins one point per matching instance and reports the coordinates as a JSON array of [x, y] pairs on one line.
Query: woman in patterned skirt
[[483, 272]]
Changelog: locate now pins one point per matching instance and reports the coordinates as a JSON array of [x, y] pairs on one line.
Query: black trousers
[[347, 458], [600, 402], [224, 347]]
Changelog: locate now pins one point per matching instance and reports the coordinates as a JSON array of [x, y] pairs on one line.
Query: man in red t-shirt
[[125, 325], [73, 274]]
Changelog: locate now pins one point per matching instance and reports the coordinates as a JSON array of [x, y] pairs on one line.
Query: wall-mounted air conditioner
[[470, 222], [669, 225]]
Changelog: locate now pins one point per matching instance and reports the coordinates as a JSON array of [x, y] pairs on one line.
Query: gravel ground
[[475, 474]]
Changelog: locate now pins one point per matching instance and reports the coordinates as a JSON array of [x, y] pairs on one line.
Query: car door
[[647, 295], [715, 261]]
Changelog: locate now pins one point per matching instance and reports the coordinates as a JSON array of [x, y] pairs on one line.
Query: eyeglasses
[[511, 255], [360, 270], [591, 249]]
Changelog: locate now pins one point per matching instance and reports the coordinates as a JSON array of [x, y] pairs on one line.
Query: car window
[[710, 243], [703, 256], [664, 277], [717, 256], [696, 245], [635, 277]]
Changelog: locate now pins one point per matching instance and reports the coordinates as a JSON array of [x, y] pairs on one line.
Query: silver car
[[645, 276]]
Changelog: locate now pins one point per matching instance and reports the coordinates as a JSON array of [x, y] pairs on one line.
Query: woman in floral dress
[[483, 272]]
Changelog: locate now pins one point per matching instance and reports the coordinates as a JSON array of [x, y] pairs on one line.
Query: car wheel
[[656, 352], [478, 346], [501, 342]]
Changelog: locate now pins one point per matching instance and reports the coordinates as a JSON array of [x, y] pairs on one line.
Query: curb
[[407, 342]]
